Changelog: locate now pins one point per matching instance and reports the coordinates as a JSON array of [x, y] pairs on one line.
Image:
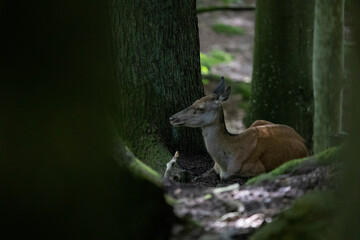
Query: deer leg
[[252, 168], [216, 168]]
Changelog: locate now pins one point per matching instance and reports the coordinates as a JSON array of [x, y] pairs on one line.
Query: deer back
[[277, 144]]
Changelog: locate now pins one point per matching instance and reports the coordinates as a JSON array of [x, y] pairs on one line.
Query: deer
[[259, 149]]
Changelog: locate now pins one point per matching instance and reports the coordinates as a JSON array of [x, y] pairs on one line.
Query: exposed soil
[[231, 210], [197, 167]]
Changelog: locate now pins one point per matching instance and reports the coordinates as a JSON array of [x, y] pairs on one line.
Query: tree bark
[[328, 70], [58, 177], [282, 89], [350, 188], [158, 68]]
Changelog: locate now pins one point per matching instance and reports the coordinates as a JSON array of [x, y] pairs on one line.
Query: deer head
[[204, 111]]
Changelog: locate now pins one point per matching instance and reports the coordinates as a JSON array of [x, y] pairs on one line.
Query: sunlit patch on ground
[[236, 210]]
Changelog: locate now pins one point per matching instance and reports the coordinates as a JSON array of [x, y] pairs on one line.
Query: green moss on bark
[[328, 70], [153, 153], [156, 51], [126, 158], [326, 157]]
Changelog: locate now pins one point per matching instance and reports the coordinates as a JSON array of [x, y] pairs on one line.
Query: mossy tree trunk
[[58, 177], [282, 89], [350, 188], [328, 70], [157, 57]]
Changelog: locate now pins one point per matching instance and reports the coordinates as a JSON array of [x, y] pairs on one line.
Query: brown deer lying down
[[260, 148]]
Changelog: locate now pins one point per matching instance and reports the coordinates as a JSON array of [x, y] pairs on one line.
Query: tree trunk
[[282, 77], [328, 70], [158, 68], [57, 175], [350, 189]]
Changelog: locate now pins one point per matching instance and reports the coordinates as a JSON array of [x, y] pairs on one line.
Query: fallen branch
[[170, 165], [234, 205], [224, 8]]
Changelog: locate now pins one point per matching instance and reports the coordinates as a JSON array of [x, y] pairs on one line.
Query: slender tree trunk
[[58, 178], [282, 77], [328, 70], [350, 189], [157, 59]]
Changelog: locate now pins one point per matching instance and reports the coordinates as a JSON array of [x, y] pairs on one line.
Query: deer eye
[[201, 109]]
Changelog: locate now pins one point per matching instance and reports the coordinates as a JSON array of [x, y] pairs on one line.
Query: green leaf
[[214, 58], [227, 29], [204, 70]]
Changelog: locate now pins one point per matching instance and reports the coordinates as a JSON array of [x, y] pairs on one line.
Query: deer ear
[[224, 96], [220, 88]]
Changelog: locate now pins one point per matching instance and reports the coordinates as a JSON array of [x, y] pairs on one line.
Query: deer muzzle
[[175, 121]]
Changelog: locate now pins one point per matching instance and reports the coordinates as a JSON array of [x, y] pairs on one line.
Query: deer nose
[[171, 119]]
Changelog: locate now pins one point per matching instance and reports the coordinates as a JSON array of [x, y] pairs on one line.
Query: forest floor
[[212, 209], [209, 207]]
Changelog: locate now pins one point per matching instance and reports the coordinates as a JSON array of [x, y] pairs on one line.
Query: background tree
[[328, 70], [282, 89], [59, 179], [350, 188], [158, 68]]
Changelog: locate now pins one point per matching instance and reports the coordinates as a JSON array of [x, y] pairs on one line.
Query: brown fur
[[261, 148], [275, 145]]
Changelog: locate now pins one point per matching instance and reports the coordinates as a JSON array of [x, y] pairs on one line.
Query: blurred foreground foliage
[[312, 217]]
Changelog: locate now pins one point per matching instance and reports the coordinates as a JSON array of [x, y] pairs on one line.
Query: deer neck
[[216, 137], [218, 127]]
